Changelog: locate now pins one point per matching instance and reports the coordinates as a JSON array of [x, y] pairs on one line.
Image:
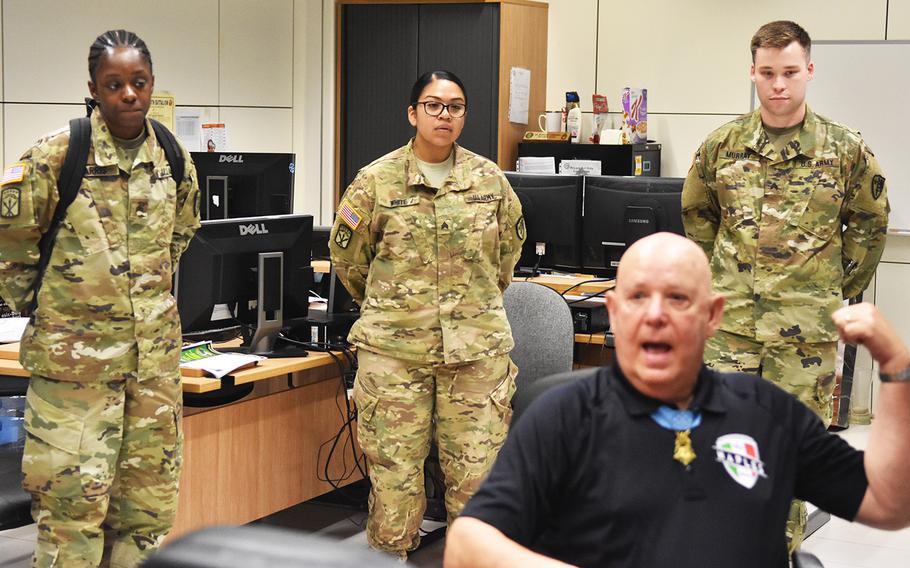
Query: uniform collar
[[707, 396], [806, 140], [459, 179], [106, 150]]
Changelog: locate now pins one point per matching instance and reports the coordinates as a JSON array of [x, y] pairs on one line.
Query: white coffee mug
[[550, 121]]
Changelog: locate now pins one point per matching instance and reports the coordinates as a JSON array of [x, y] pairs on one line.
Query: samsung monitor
[[244, 184], [619, 210], [252, 272], [551, 205]]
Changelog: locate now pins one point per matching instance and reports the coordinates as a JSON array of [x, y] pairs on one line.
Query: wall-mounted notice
[[519, 93]]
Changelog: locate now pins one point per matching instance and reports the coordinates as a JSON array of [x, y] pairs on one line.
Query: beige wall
[[256, 66], [692, 56]]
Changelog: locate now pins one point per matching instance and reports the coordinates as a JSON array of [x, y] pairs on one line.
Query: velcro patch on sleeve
[[878, 186], [349, 215], [343, 236], [10, 200], [13, 174]]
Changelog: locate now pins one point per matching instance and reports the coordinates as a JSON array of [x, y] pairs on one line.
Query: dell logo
[[234, 158], [253, 229]]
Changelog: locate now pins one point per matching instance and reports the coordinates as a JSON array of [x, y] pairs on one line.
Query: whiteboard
[[865, 86]]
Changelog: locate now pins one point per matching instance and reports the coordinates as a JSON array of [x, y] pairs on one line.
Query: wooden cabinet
[[384, 47]]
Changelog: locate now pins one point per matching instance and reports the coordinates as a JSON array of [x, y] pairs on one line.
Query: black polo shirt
[[588, 477]]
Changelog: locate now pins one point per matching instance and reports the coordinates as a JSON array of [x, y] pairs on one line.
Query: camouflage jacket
[[789, 234], [105, 308], [429, 266]]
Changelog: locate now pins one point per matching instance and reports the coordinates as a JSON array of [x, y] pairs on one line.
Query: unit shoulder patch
[[520, 228], [878, 185], [343, 236], [10, 198]]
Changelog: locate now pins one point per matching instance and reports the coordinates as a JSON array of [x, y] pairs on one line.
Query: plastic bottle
[[573, 116]]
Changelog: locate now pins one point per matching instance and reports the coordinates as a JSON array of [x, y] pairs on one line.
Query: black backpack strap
[[171, 150], [68, 181]]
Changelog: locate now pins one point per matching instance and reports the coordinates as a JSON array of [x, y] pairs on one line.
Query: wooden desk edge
[[265, 370]]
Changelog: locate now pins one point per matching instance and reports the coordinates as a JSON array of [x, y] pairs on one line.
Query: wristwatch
[[896, 377]]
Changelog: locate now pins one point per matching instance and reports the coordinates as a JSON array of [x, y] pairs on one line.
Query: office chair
[[541, 323], [272, 547], [803, 559]]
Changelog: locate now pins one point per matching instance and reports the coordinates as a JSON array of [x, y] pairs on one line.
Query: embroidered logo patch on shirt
[[9, 202], [13, 174], [739, 455], [878, 186], [520, 229], [343, 236], [349, 215]]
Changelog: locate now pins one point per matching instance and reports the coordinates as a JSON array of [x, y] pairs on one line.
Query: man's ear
[[716, 312]]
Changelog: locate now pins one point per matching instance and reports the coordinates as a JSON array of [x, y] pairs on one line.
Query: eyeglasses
[[435, 108]]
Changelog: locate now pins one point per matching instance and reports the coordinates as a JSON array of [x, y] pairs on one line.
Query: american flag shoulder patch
[[13, 174], [349, 215]]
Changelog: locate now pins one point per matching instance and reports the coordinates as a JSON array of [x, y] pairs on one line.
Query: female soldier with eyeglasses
[[426, 239]]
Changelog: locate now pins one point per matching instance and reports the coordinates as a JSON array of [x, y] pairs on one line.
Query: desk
[[246, 460], [563, 283]]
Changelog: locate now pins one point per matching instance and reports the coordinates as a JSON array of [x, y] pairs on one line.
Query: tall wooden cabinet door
[[464, 39], [379, 65]]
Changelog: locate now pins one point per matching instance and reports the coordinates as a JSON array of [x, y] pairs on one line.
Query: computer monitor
[[321, 242], [244, 184], [619, 210], [551, 205], [260, 267]]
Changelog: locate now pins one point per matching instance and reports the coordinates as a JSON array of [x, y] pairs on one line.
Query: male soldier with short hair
[[792, 210]]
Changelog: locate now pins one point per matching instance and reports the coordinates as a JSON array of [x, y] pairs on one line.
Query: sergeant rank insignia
[[343, 236], [9, 202], [878, 186]]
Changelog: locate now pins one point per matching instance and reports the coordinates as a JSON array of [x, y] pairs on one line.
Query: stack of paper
[[537, 165], [11, 329], [202, 356]]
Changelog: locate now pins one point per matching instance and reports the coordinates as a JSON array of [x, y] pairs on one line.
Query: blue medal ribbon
[[676, 420]]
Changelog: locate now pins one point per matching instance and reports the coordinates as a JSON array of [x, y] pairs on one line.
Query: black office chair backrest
[[524, 398]]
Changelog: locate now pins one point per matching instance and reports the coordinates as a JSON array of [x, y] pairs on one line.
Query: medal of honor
[[682, 422], [682, 449]]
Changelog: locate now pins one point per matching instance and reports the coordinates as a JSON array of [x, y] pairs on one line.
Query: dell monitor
[[619, 210], [244, 184], [259, 267], [551, 205]]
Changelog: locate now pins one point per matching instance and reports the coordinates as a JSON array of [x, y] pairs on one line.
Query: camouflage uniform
[[428, 267], [102, 457], [790, 234]]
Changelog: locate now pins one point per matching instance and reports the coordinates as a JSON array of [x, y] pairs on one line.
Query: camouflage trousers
[[805, 370], [102, 462], [399, 405]]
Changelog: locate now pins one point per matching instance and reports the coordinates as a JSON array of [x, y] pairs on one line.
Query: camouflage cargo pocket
[[367, 427], [51, 461], [502, 394]]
